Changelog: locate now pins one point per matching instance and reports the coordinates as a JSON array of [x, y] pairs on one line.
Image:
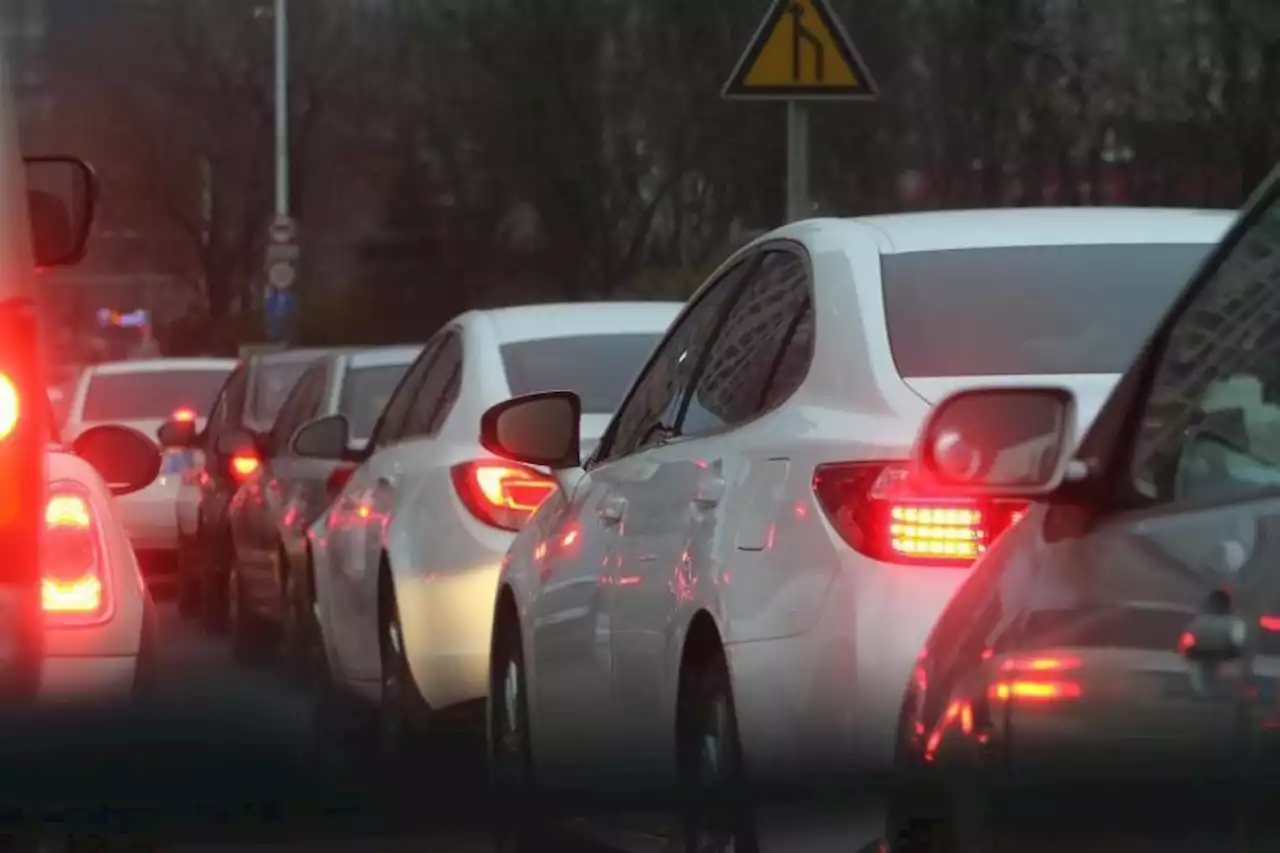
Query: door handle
[[710, 491], [1213, 638], [612, 509]]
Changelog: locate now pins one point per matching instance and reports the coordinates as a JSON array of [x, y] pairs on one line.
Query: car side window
[[438, 391], [298, 408], [736, 382], [651, 410], [391, 423], [1211, 424], [230, 405]]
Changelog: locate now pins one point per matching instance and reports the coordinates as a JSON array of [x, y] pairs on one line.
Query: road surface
[[199, 669]]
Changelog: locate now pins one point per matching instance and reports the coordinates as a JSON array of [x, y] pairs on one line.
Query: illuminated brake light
[[877, 511], [184, 415], [501, 494], [73, 586], [244, 465], [10, 407]]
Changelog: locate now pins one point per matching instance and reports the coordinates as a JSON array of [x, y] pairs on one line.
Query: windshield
[[598, 368], [1029, 310], [271, 385], [365, 392], [148, 395]]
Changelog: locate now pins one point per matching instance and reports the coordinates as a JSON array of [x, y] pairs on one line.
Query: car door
[[396, 472], [697, 479], [284, 474], [358, 526], [1145, 653], [574, 690]]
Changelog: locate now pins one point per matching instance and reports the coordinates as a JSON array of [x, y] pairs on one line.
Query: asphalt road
[[198, 669]]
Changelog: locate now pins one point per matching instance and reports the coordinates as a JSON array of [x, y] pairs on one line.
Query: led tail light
[[875, 509], [244, 466], [74, 583], [184, 415], [501, 494], [337, 480]]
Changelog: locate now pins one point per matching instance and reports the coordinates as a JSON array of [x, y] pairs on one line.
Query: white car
[[144, 394], [406, 560], [100, 623], [741, 574]]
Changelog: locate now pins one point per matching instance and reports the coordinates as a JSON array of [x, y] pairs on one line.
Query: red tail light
[[875, 509], [184, 414], [501, 494], [74, 582], [10, 407], [338, 480], [244, 466]]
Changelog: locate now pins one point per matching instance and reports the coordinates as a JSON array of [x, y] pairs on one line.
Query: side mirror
[[62, 194], [1013, 442], [323, 438], [177, 435], [536, 429], [125, 459]]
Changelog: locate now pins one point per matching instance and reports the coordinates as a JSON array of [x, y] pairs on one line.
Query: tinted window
[[439, 390], [736, 380], [150, 395], [272, 383], [598, 368], [365, 392], [1029, 310], [299, 407]]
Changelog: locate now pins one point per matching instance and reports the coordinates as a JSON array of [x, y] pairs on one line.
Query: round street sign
[[284, 229], [281, 275]]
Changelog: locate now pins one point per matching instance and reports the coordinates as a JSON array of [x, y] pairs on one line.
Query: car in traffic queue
[[229, 446], [99, 618], [143, 394], [406, 559], [270, 591], [741, 574], [1108, 677]]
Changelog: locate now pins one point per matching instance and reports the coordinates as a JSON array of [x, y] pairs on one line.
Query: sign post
[[800, 53], [282, 270]]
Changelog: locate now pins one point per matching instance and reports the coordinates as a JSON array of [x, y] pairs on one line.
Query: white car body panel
[[819, 638]]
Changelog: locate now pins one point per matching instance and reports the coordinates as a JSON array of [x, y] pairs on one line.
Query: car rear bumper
[[447, 620], [826, 702], [72, 680]]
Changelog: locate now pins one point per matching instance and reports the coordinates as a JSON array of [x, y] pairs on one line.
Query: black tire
[[297, 625], [188, 581], [398, 716], [510, 752], [213, 567], [717, 813], [250, 641]]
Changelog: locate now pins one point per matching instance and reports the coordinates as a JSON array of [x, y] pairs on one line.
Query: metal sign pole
[[799, 205]]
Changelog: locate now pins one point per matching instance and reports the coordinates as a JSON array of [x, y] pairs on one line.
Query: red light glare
[[244, 466], [184, 415], [10, 407]]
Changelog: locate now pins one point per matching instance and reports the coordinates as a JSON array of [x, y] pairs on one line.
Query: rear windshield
[[150, 394], [599, 368], [271, 385], [1029, 310], [365, 391]]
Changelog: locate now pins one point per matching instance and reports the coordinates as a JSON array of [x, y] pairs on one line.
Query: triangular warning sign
[[800, 51]]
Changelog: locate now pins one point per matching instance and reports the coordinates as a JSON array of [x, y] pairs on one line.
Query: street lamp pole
[[282, 107]]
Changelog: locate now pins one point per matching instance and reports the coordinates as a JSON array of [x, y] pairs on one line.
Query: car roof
[[384, 356], [1037, 226], [291, 356], [158, 365], [565, 319]]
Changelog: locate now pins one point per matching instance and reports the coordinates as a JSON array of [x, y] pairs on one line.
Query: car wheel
[[248, 641], [717, 815], [214, 582], [297, 625], [188, 583], [516, 827], [395, 718]]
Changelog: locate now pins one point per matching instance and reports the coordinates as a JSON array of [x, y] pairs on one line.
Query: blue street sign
[[281, 307]]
